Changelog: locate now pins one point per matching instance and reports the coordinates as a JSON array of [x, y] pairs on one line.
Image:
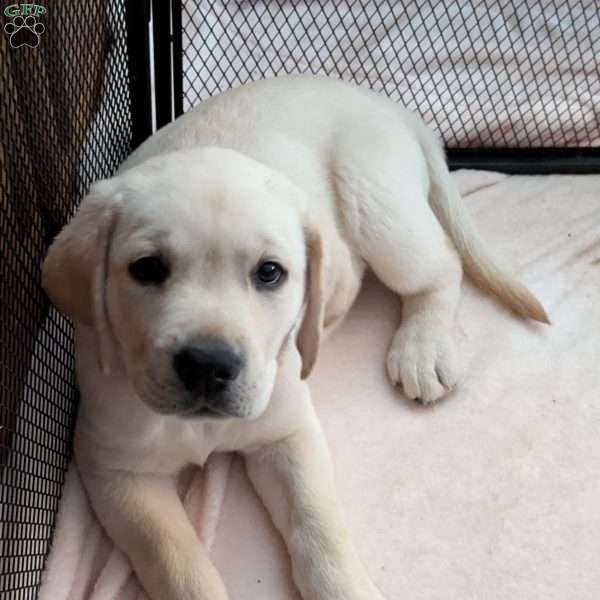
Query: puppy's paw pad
[[425, 369]]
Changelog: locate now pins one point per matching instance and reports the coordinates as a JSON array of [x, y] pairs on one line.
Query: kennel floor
[[491, 494]]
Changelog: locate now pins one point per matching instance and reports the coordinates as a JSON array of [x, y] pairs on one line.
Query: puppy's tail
[[479, 263]]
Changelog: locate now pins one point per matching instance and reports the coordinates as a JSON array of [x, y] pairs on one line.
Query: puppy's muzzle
[[206, 368]]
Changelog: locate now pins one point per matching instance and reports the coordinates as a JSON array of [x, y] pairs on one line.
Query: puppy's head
[[196, 269]]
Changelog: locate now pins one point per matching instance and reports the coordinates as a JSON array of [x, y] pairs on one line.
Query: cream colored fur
[[327, 179]]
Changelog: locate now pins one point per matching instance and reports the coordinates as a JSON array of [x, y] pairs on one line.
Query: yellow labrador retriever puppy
[[201, 279]]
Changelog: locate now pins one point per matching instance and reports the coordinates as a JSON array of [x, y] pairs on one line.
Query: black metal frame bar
[[137, 17], [168, 64], [168, 60], [163, 86], [526, 161], [177, 56]]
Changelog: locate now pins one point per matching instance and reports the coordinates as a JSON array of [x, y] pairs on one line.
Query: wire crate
[[513, 86]]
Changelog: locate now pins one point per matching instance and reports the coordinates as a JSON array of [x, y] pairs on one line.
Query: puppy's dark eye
[[269, 274], [149, 270]]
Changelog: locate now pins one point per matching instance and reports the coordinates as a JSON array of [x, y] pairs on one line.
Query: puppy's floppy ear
[[309, 334], [75, 269]]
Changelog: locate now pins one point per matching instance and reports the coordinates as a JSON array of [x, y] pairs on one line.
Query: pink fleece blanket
[[492, 494]]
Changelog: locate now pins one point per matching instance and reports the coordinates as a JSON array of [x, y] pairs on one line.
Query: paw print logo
[[24, 31]]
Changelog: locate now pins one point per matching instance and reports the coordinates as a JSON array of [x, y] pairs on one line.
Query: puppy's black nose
[[207, 367]]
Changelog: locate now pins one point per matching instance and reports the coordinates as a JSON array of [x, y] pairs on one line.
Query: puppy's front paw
[[425, 368]]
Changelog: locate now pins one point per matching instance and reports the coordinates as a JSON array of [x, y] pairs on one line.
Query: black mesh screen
[[493, 73], [64, 121]]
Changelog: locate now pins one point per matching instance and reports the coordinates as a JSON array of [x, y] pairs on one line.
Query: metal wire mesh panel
[[64, 121], [484, 73]]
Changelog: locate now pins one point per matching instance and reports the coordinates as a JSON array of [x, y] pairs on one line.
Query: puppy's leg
[[145, 518], [427, 274], [422, 356], [295, 481], [387, 211]]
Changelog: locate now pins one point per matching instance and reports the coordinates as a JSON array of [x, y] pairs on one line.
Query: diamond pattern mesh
[[57, 136], [494, 73]]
